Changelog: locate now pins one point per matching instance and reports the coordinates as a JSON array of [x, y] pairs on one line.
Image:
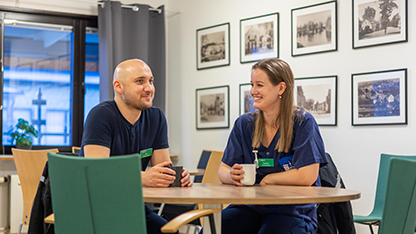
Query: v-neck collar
[[272, 144]]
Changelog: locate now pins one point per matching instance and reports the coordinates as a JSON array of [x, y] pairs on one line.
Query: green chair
[[376, 214], [399, 211], [99, 195]]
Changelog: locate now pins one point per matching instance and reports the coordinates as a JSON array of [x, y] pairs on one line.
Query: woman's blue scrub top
[[307, 148]]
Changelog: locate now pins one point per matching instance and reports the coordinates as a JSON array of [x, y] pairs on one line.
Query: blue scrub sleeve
[[308, 147], [233, 152]]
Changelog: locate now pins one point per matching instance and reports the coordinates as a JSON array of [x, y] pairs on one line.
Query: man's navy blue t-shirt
[[106, 126]]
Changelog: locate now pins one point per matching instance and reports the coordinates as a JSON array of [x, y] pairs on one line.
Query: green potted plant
[[23, 133]]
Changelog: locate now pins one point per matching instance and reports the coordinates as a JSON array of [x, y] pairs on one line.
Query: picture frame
[[246, 100], [370, 27], [318, 96], [213, 46], [259, 38], [379, 98], [319, 37], [213, 107]]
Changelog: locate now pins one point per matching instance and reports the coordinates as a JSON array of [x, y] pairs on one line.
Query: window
[[92, 76], [50, 75], [37, 80]]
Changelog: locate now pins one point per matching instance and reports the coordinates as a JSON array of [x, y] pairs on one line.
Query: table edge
[[6, 157], [242, 201]]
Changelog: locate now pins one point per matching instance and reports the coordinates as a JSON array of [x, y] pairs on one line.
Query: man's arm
[[160, 176], [96, 151], [159, 156]]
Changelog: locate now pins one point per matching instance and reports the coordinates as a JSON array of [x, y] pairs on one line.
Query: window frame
[[79, 24]]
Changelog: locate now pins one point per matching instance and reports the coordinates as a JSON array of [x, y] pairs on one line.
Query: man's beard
[[138, 105]]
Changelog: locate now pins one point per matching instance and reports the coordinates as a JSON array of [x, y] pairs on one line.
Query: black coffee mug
[[178, 175]]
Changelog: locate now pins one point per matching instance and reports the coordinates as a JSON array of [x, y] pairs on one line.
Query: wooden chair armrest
[[173, 225], [50, 219], [179, 221]]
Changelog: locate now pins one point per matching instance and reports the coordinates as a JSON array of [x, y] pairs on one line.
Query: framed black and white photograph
[[379, 97], [318, 95], [212, 108], [314, 29], [378, 22], [246, 100], [213, 46], [259, 38]]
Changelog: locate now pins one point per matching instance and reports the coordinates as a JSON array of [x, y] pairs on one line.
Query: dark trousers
[[154, 222], [244, 220]]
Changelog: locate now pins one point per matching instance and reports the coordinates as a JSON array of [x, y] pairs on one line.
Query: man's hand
[[185, 181], [159, 176]]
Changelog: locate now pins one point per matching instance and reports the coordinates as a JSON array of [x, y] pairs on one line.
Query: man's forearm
[[96, 151]]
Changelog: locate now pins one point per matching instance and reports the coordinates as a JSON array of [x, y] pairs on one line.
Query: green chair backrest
[[97, 195], [399, 213], [382, 180]]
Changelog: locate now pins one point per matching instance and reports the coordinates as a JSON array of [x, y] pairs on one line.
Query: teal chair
[[376, 214], [101, 195], [399, 211]]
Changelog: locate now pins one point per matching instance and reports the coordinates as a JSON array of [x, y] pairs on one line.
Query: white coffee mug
[[249, 174]]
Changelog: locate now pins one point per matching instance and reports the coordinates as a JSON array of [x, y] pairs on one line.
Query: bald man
[[129, 125]]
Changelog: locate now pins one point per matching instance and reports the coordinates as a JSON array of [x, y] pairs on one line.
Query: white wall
[[355, 150]]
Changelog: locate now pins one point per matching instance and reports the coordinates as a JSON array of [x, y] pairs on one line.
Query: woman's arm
[[303, 176], [231, 175]]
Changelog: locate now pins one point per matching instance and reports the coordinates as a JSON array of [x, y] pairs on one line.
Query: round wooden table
[[214, 195]]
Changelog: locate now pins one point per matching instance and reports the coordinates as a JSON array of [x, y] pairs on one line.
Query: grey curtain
[[125, 34]]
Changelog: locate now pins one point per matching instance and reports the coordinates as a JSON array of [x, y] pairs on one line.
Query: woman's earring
[[280, 96]]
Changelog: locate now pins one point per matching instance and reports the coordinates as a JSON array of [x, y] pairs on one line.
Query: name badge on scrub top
[[266, 162], [286, 163], [146, 153]]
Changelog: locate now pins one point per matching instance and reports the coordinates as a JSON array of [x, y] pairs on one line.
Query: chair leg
[[20, 228], [197, 229], [371, 228], [212, 224], [162, 206]]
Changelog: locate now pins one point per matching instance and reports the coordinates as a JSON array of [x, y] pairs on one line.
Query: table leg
[[217, 219]]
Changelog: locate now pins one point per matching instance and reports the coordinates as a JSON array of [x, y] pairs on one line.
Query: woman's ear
[[282, 88]]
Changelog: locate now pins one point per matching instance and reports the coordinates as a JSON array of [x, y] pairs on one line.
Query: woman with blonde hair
[[288, 141]]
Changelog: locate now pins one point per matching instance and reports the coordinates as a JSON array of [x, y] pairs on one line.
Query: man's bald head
[[127, 68]]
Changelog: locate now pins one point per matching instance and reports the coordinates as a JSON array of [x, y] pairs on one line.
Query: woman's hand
[[231, 175], [237, 174]]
